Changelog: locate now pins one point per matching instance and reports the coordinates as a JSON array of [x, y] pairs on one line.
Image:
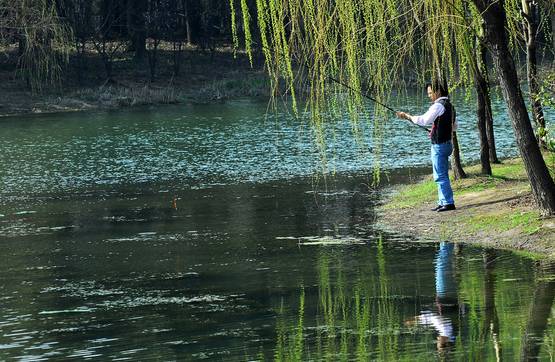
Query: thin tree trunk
[[553, 27], [108, 67], [136, 27], [481, 91], [456, 165], [22, 43], [187, 22], [530, 13], [458, 171], [481, 87], [129, 18], [543, 187], [177, 56], [80, 47], [489, 114], [153, 58]]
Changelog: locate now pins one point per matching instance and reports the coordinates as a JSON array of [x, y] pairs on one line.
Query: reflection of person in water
[[446, 298]]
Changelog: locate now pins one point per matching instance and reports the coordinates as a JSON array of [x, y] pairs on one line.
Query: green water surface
[[208, 233]]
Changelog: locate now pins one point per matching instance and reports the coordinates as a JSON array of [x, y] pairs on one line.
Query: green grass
[[530, 255], [528, 222], [426, 191], [508, 224], [411, 195], [510, 170]]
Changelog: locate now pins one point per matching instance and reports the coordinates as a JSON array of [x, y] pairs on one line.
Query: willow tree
[[543, 187], [44, 39], [371, 43], [532, 16]]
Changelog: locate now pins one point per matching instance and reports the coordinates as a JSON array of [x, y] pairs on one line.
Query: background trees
[[43, 40], [51, 35]]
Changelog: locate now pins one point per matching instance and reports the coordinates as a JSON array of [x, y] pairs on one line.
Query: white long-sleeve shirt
[[435, 110], [442, 325]]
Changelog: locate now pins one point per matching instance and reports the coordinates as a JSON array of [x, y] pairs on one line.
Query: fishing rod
[[365, 95]]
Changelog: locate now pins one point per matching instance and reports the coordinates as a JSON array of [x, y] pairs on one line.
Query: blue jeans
[[440, 165]]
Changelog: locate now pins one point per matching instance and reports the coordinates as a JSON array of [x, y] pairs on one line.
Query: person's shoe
[[446, 208], [437, 208]]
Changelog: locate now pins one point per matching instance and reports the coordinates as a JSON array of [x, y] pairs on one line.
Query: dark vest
[[442, 128]]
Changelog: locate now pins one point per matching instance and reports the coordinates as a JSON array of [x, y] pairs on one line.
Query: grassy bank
[[496, 211]]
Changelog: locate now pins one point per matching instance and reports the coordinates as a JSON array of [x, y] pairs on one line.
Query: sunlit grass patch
[[412, 195], [511, 169], [475, 183], [426, 190], [528, 222]]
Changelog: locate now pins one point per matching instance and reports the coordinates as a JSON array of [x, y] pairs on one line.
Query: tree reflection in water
[[464, 311], [540, 310]]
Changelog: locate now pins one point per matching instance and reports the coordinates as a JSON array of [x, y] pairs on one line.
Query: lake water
[[208, 232]]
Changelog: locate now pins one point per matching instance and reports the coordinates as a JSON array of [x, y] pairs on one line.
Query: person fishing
[[440, 116]]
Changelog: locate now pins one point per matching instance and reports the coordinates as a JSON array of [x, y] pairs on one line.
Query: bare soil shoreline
[[502, 216]]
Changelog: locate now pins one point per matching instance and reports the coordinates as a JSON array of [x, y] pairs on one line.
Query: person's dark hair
[[437, 86]]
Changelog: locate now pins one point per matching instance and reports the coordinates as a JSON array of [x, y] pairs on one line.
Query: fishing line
[[365, 95]]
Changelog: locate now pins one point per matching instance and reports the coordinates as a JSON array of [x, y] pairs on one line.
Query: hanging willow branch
[[370, 45], [45, 39]]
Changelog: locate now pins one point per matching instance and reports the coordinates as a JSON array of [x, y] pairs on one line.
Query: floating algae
[[323, 240]]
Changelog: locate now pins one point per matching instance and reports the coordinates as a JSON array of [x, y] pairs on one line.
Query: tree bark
[[543, 187], [553, 26], [136, 27], [481, 91], [456, 165], [530, 14], [489, 114], [22, 43], [187, 22], [458, 171]]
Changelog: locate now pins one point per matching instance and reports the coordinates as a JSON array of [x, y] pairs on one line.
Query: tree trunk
[[543, 187], [530, 13], [129, 18], [481, 91], [80, 47], [489, 114], [22, 44], [553, 27], [177, 55], [456, 165], [187, 22], [108, 68], [136, 10], [152, 59]]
